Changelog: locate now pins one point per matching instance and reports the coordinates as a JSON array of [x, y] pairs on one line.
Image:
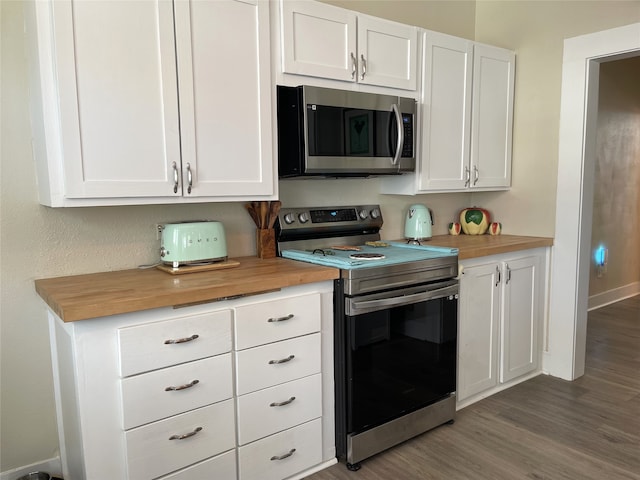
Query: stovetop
[[311, 235], [393, 254]]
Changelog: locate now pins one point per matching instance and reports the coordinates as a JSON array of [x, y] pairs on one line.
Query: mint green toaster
[[195, 242]]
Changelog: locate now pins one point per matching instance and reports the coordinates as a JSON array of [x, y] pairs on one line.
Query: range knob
[[289, 218], [375, 213], [363, 214], [303, 217]]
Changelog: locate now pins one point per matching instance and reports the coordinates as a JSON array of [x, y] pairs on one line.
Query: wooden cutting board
[[198, 268]]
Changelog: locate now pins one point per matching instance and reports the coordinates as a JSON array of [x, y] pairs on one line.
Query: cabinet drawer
[[260, 415], [261, 323], [262, 460], [276, 363], [151, 452], [145, 397], [223, 467], [161, 344]]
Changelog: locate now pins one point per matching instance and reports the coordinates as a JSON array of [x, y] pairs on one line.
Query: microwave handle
[[396, 157]]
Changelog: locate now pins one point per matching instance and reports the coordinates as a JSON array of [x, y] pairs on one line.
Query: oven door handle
[[450, 290]]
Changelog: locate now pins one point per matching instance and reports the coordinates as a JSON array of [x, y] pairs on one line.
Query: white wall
[[536, 31]]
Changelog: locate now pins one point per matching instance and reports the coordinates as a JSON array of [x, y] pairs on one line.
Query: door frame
[[564, 356]]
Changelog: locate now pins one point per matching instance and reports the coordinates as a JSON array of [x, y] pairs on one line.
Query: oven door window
[[399, 359]]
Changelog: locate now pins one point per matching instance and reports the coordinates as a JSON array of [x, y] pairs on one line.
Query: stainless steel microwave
[[339, 133]]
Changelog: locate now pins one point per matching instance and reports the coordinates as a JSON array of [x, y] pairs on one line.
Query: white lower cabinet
[[163, 393], [282, 455], [277, 408], [279, 387], [173, 390], [501, 316], [168, 445], [220, 467]]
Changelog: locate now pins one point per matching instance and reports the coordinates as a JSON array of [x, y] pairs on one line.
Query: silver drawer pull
[[286, 455], [282, 360], [282, 404], [181, 340], [182, 387], [281, 319], [186, 435]]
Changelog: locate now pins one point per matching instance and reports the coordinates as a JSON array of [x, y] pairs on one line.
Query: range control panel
[[339, 218]]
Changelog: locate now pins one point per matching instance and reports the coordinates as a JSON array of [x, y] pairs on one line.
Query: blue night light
[[601, 255]]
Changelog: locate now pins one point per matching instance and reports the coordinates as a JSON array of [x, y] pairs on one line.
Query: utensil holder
[[266, 243]]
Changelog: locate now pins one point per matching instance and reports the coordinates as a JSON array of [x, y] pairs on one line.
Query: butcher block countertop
[[81, 297], [472, 246]]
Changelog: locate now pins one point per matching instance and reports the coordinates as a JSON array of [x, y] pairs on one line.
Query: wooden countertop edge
[[474, 246], [93, 295], [128, 291]]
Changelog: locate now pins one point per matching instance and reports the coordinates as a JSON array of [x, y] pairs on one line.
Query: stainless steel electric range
[[395, 325]]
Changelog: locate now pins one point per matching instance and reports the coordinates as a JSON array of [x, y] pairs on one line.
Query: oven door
[[400, 352]]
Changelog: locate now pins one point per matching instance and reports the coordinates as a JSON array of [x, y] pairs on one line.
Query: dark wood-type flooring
[[545, 428]]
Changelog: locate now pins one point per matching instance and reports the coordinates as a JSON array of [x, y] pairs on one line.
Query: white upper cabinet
[[446, 112], [122, 117], [321, 40], [224, 83], [466, 120], [467, 115], [318, 40], [491, 117], [117, 98]]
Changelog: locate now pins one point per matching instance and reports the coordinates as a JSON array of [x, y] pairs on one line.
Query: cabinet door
[[318, 40], [520, 317], [387, 53], [223, 53], [478, 329], [116, 70], [446, 112], [492, 117]]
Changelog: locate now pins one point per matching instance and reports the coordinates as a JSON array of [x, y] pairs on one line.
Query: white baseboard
[[611, 296], [53, 467]]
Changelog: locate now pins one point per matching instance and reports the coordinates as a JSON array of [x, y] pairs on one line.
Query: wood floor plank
[[544, 429]]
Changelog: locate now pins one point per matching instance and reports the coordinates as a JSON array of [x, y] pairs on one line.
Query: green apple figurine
[[475, 221]]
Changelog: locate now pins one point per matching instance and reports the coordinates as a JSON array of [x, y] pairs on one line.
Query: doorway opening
[[566, 342]]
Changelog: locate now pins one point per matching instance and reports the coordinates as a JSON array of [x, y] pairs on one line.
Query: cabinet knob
[[364, 67]]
